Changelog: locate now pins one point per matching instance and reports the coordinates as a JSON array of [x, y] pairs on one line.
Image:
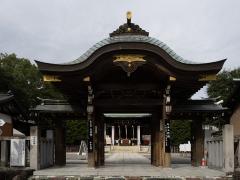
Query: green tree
[[180, 132], [224, 84], [24, 80], [76, 131]]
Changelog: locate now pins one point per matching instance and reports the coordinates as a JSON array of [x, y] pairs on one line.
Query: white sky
[[58, 31]]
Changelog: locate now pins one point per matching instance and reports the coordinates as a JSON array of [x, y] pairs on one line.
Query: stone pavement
[[131, 164]]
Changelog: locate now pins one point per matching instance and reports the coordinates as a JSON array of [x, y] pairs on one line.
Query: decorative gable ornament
[[129, 62], [129, 28]]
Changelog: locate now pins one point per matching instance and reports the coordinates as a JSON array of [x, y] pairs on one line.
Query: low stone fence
[[215, 153], [132, 149], [72, 148], [220, 150], [22, 158], [237, 153], [46, 153], [15, 151]]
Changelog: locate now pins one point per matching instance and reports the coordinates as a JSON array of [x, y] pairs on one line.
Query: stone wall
[[235, 121]]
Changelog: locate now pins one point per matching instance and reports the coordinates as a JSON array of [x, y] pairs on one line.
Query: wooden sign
[[33, 140], [90, 134], [167, 136]]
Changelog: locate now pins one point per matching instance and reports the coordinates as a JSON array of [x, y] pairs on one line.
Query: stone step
[[122, 178], [133, 149]]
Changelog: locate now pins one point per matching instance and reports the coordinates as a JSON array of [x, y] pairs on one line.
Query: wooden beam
[[51, 78], [128, 102], [127, 86], [208, 77]]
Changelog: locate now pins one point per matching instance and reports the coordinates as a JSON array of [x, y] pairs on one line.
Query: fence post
[[34, 147], [4, 153], [228, 148]]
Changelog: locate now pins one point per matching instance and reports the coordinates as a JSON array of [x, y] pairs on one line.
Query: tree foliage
[[76, 131], [24, 80], [180, 132], [224, 84]]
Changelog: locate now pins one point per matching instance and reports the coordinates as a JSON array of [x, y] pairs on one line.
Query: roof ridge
[[131, 38]]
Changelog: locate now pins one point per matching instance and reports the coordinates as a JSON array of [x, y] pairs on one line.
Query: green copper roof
[[131, 38]]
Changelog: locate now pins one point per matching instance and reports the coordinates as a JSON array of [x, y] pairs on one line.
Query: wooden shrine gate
[[131, 72]]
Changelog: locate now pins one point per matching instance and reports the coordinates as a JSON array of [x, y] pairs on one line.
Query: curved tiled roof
[[131, 38]]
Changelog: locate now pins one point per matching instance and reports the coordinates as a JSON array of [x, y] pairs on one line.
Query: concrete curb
[[126, 178]]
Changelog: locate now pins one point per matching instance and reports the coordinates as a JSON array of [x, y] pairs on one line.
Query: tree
[[24, 80], [76, 131], [224, 84], [180, 132]]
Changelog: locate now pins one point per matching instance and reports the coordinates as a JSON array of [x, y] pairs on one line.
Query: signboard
[[167, 136], [90, 134], [2, 122], [33, 140], [17, 155]]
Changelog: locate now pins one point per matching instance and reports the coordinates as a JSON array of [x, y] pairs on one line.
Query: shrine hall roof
[[136, 38], [131, 38]]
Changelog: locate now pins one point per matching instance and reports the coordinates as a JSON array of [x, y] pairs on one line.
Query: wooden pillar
[[157, 141], [165, 127], [99, 133], [153, 141], [92, 130], [102, 140], [167, 155], [60, 146], [98, 140], [91, 162], [197, 145], [161, 155]]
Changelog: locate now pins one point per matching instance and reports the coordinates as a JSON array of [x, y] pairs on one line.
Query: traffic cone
[[203, 162]]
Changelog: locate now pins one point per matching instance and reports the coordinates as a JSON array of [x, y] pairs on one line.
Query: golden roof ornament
[[129, 17], [129, 28]]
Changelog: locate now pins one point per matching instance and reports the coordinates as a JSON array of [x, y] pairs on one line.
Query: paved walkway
[[130, 164]]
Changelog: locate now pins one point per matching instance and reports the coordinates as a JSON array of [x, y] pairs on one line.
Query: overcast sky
[[62, 30]]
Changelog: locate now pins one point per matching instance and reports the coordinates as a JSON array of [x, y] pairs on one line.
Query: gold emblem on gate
[[129, 62]]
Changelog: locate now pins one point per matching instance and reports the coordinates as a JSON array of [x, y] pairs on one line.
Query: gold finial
[[129, 15]]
